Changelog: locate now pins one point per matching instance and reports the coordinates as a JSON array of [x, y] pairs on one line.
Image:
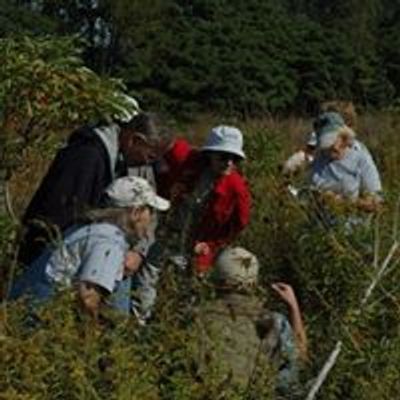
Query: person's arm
[[287, 294], [219, 227], [370, 202], [230, 209], [102, 267], [294, 163], [90, 297], [370, 198]]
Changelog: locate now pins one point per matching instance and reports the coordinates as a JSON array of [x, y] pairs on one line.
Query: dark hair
[[223, 154], [150, 125]]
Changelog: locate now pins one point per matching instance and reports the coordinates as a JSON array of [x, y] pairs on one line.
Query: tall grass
[[67, 357]]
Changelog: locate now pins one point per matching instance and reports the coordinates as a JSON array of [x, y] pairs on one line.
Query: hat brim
[[327, 140], [160, 203], [312, 139], [224, 149]]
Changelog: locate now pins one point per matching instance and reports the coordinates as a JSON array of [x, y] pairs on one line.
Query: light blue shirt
[[353, 175], [93, 253]]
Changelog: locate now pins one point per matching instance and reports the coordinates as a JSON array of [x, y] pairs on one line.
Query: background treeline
[[46, 90], [245, 57]]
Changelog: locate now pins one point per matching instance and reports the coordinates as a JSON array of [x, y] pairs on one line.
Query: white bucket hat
[[237, 266], [132, 191], [225, 138]]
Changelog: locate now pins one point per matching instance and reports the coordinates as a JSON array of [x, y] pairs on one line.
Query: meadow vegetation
[[68, 357]]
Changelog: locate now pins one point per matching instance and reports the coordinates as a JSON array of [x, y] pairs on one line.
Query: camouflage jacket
[[243, 338]]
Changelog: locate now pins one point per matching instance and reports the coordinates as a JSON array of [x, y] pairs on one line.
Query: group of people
[[96, 226], [210, 198]]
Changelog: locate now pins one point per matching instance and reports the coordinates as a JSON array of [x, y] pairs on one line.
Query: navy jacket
[[75, 181]]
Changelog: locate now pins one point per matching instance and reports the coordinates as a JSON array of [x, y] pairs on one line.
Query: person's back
[[302, 158], [243, 339], [57, 198], [239, 338], [75, 181]]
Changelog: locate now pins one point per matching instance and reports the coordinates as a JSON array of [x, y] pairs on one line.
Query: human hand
[[132, 262], [330, 197], [286, 293], [369, 203], [90, 298]]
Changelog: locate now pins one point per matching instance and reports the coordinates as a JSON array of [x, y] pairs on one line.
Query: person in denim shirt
[[344, 169], [95, 257], [92, 157]]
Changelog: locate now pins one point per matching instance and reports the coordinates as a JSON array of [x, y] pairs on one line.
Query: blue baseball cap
[[327, 126]]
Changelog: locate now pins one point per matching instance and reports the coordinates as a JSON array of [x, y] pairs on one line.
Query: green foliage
[[253, 57], [15, 20], [46, 90], [44, 85], [8, 230], [243, 57], [331, 271], [66, 356]]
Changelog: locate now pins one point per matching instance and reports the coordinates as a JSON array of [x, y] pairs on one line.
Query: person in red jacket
[[169, 167], [211, 197]]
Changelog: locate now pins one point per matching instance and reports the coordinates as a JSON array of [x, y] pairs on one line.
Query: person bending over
[[94, 258]]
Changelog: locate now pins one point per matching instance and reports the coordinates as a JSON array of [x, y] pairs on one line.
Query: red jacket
[[227, 211], [225, 215], [170, 168]]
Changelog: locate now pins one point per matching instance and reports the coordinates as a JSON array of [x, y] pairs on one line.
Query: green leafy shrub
[[331, 271], [44, 86], [66, 356]]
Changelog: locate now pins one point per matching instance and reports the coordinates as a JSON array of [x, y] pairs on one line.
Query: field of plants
[[348, 285]]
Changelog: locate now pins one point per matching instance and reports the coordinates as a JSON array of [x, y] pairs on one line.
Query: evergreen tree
[[248, 57]]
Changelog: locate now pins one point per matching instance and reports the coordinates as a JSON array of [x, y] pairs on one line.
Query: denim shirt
[[353, 175], [92, 253]]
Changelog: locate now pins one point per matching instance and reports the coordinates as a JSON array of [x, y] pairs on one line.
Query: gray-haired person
[[95, 259], [344, 169]]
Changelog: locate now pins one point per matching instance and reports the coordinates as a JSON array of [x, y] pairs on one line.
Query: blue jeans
[[34, 283], [121, 297], [38, 289]]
